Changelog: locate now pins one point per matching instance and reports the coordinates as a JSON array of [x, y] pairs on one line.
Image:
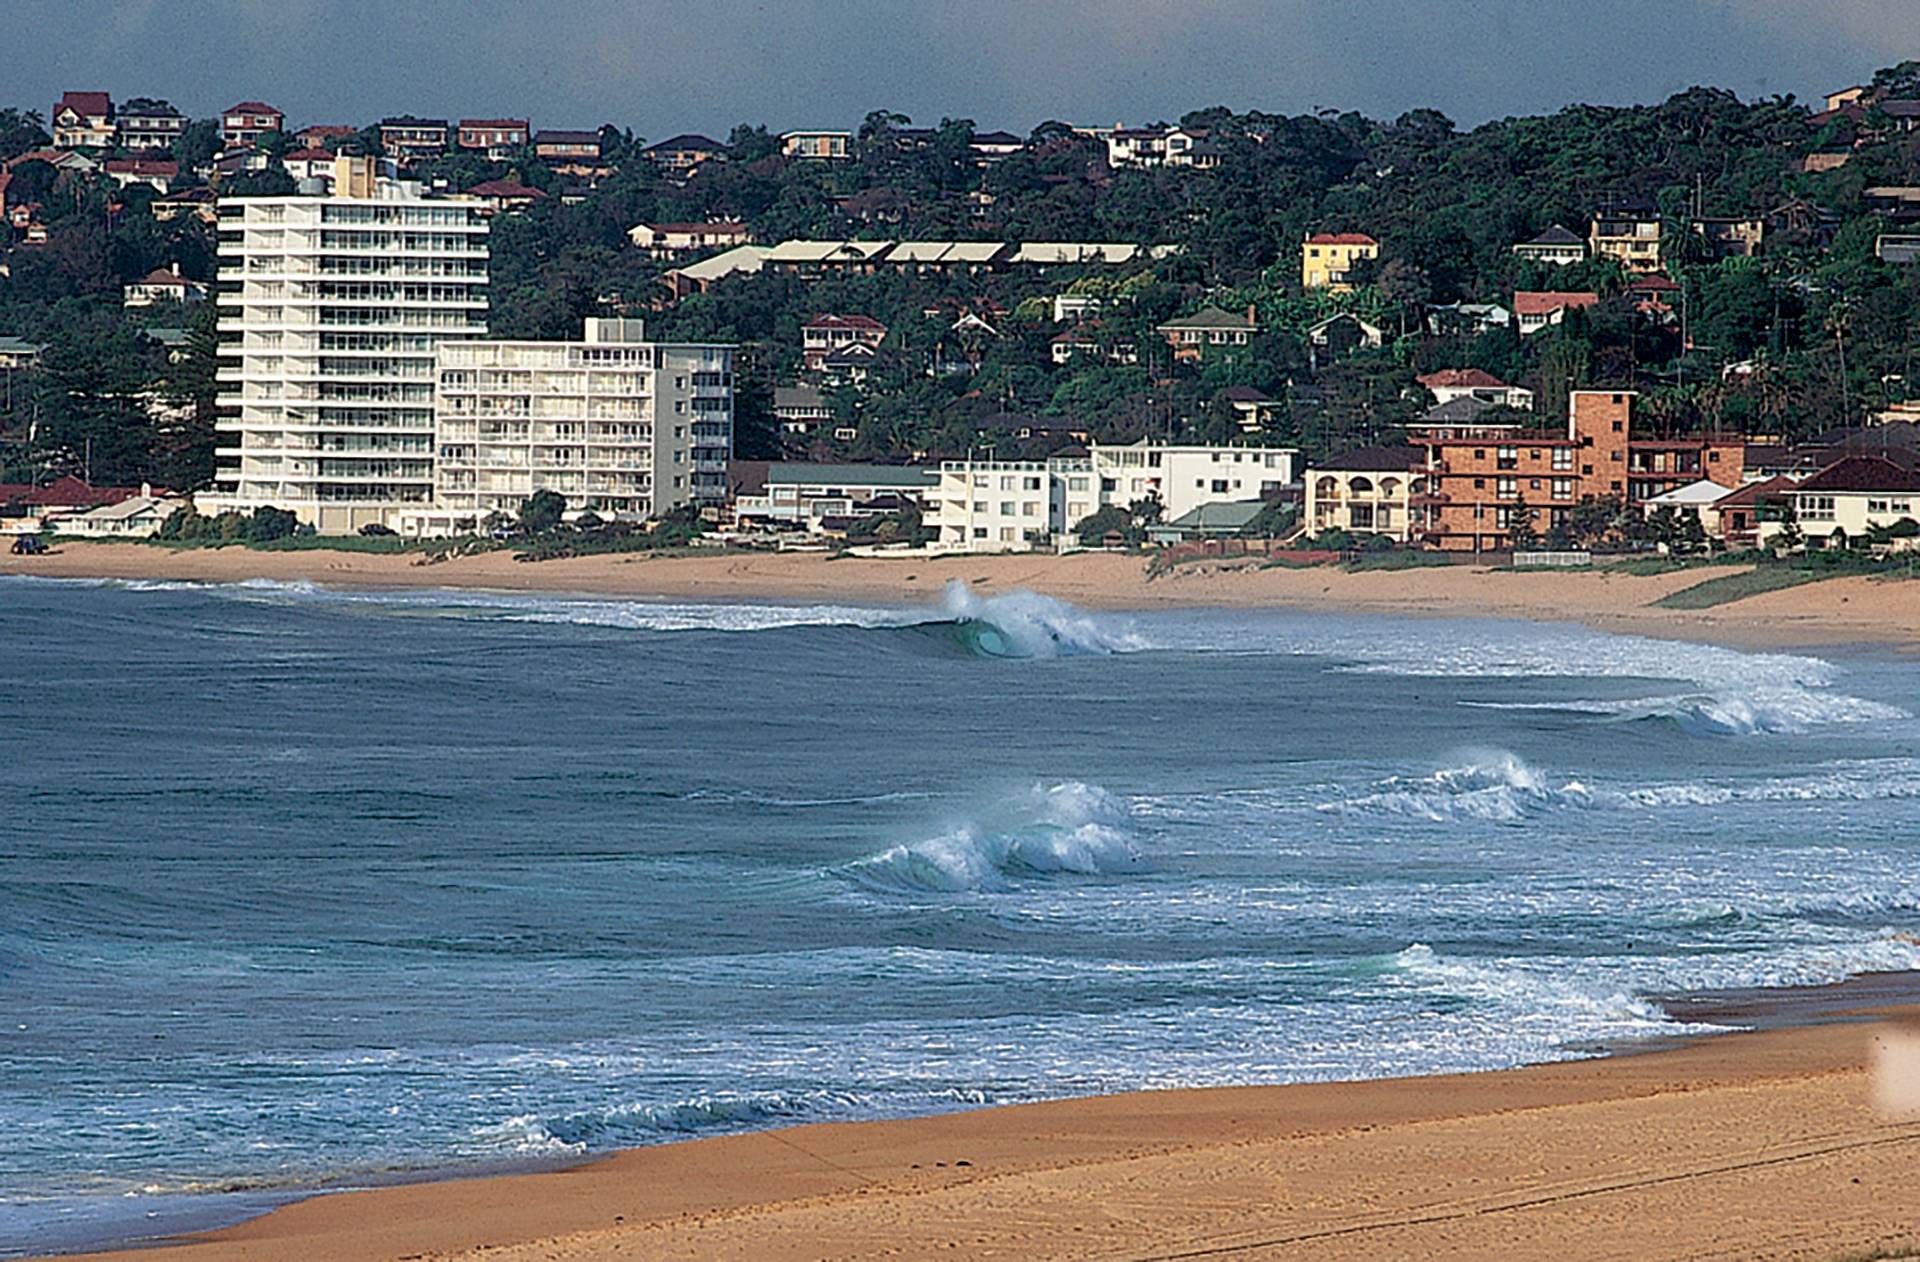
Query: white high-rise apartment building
[[622, 427], [330, 310]]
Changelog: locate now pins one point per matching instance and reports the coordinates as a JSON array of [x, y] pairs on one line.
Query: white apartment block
[[1010, 505], [622, 427], [994, 506], [330, 311]]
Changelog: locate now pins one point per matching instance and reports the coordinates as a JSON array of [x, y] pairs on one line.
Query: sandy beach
[[1837, 611], [1763, 1145]]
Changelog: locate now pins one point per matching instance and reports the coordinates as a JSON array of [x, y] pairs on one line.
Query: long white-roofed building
[[330, 309]]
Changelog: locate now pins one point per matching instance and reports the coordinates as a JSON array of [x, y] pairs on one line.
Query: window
[[1533, 484], [1508, 488], [1616, 424], [1562, 458], [979, 506], [1033, 484], [1508, 457], [1076, 484], [1219, 486], [1479, 484], [1563, 488], [979, 532], [1006, 483], [1006, 508], [1816, 507], [1030, 509]]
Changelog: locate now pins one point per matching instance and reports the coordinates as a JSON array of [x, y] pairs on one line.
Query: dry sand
[[1849, 610], [1750, 1146]]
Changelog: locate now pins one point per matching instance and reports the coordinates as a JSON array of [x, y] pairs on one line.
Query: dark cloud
[[662, 66]]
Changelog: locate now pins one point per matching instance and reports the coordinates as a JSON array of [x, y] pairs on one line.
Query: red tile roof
[[1472, 378], [1525, 303], [1863, 473], [494, 124], [1341, 238], [165, 276], [309, 155], [251, 107], [142, 166], [329, 129], [71, 492], [89, 103]]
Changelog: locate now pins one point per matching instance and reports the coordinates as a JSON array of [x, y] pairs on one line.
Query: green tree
[[542, 511]]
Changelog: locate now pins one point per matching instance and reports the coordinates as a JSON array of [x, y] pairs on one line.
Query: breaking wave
[[1495, 785], [1070, 828], [1498, 786]]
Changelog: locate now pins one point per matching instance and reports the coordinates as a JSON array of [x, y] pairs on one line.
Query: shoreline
[[1833, 612], [1753, 1143]]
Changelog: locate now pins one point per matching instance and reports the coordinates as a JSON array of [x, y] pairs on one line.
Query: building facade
[[1327, 259], [330, 310], [622, 427], [998, 506], [1365, 492]]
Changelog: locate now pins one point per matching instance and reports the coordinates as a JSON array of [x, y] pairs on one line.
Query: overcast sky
[[664, 66]]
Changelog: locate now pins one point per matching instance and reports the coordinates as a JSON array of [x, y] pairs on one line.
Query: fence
[[1551, 560]]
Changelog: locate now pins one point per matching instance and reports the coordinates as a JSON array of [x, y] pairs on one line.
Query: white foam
[[1040, 626], [1068, 828]]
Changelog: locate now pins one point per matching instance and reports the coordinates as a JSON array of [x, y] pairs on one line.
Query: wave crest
[[1069, 828], [1495, 785], [1027, 624]]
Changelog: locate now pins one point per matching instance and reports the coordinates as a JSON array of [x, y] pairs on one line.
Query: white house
[[139, 517], [163, 284], [808, 495], [1851, 497]]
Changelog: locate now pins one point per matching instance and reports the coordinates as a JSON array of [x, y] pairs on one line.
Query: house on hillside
[[829, 146], [685, 153], [1254, 409], [1731, 237], [1089, 340], [83, 120], [674, 240], [825, 334], [145, 123], [1556, 247], [583, 146], [991, 146], [309, 164], [1897, 247], [1341, 335], [801, 410], [157, 174], [163, 284], [245, 123], [200, 201], [324, 135], [1449, 384], [1161, 146], [1536, 311], [498, 138], [1191, 335], [1327, 259], [504, 195], [1628, 229], [407, 139]]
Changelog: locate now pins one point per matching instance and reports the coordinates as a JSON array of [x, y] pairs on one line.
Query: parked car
[[29, 546]]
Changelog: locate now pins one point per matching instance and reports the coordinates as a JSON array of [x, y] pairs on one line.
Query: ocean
[[306, 888]]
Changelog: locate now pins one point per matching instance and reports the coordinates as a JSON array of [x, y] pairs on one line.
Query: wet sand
[[1764, 1145], [1837, 611]]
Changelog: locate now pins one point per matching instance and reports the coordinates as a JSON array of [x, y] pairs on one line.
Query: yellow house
[[1366, 492], [1328, 257]]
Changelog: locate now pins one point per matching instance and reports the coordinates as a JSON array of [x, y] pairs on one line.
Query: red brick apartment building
[[1478, 476]]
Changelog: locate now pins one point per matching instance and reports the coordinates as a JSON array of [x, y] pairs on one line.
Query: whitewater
[[305, 887]]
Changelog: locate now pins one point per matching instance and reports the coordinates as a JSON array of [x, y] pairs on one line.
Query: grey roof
[[11, 345], [167, 336], [1465, 407], [797, 397], [1210, 318], [912, 477], [1232, 515], [1557, 235], [1901, 109]]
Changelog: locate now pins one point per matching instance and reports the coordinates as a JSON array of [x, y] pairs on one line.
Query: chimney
[[1251, 317], [175, 265]]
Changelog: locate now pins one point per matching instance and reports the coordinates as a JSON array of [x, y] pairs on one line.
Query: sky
[[661, 67]]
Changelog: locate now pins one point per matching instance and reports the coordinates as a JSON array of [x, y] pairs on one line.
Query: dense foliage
[[1813, 332]]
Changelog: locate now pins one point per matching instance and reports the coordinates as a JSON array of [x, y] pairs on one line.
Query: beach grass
[[1731, 587]]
